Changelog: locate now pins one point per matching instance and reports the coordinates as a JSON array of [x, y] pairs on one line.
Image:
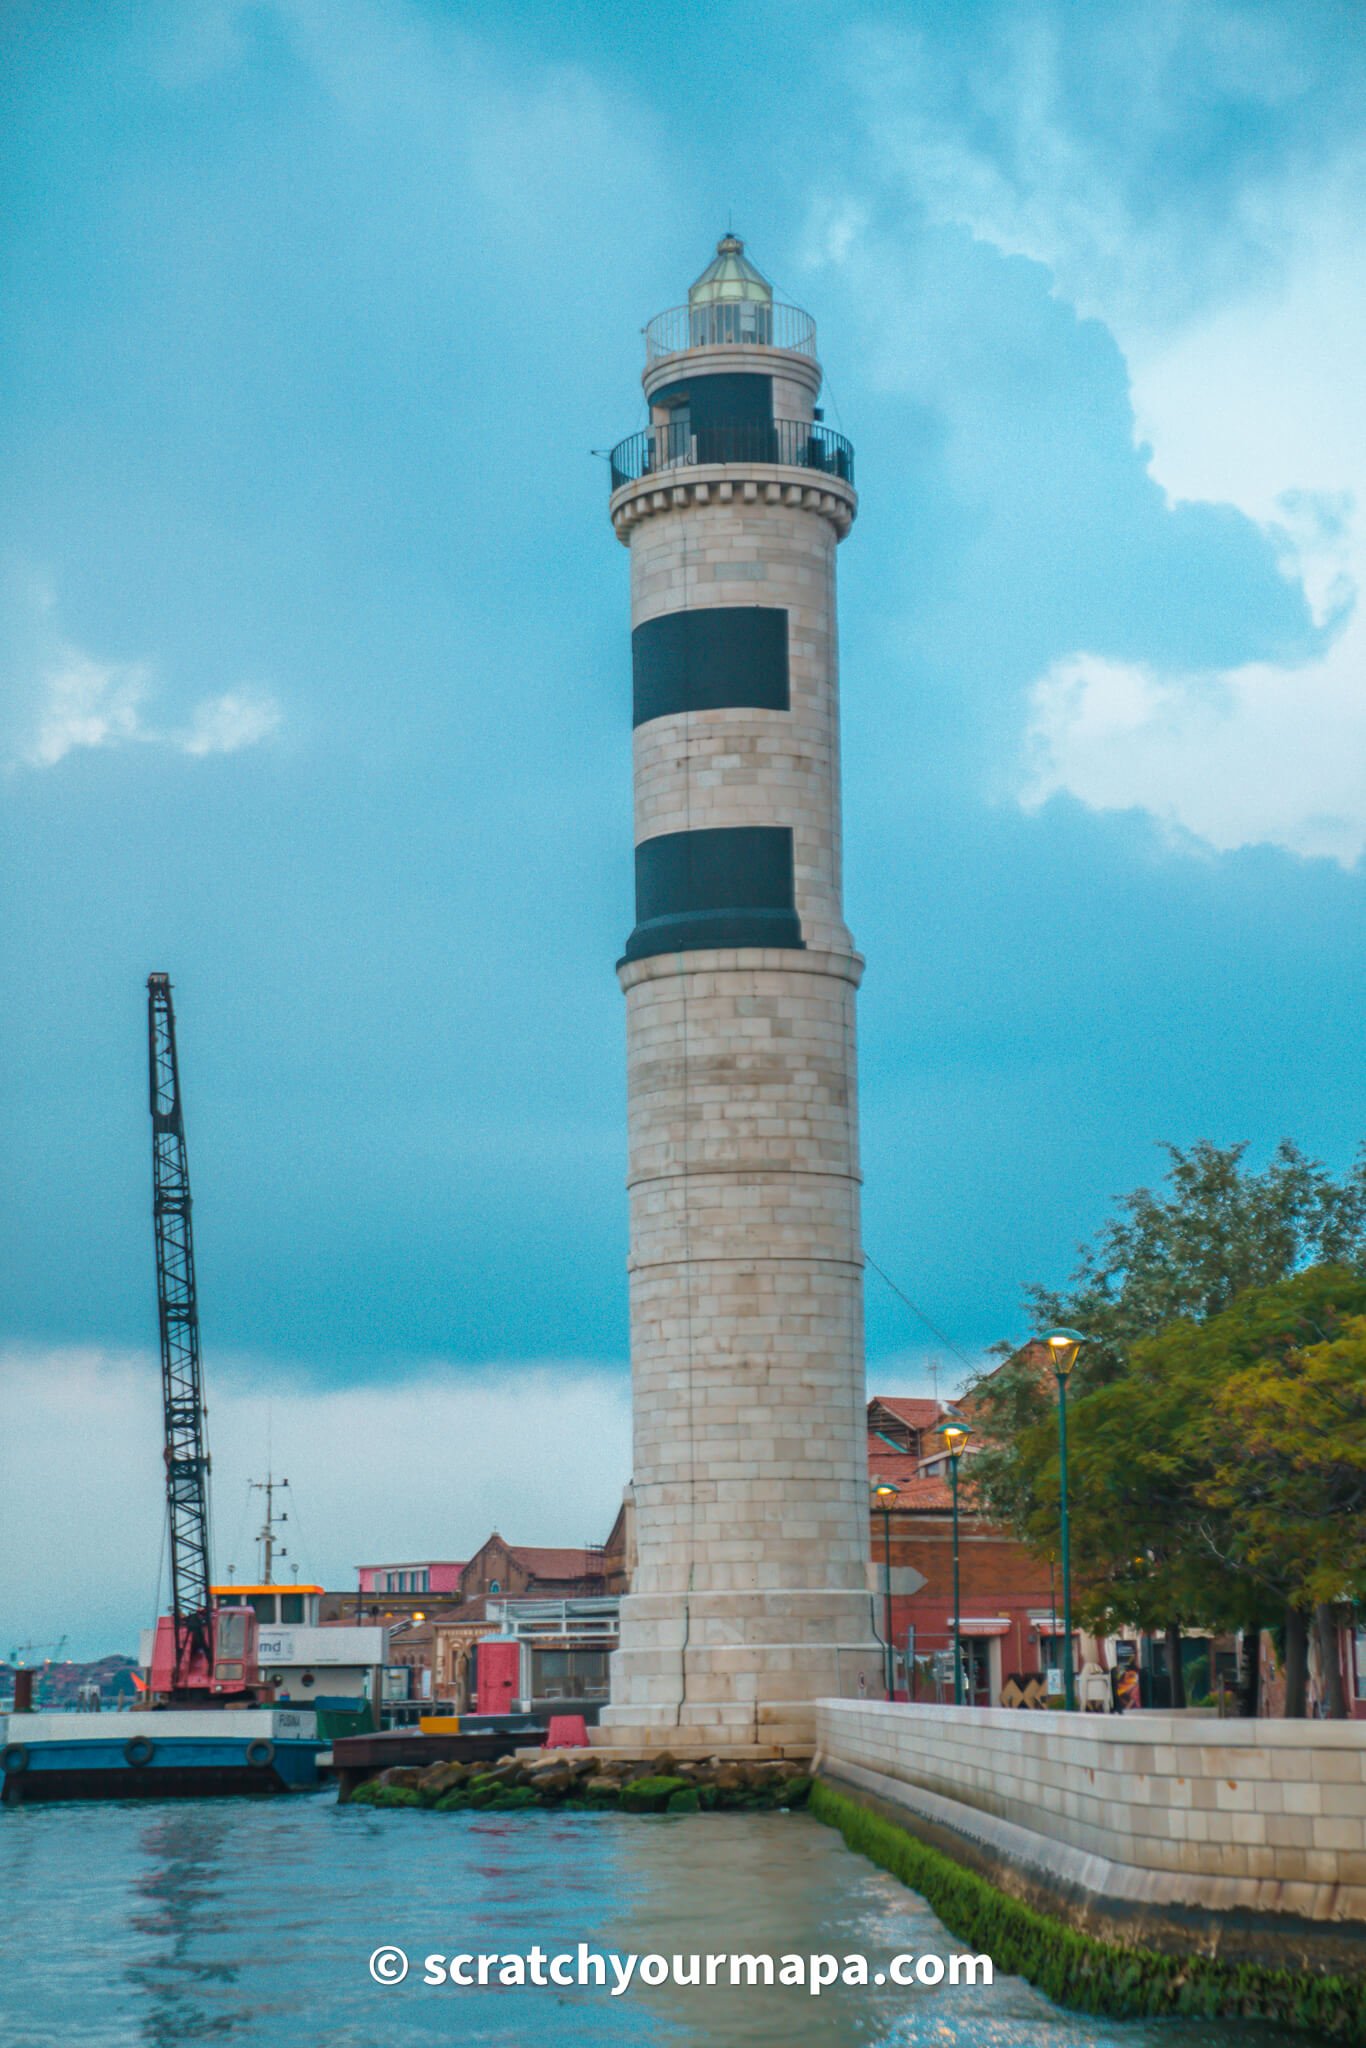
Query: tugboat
[[211, 1725]]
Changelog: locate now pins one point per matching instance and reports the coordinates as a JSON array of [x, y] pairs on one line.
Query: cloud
[[86, 702], [1234, 757], [419, 1467], [1233, 280], [223, 725]]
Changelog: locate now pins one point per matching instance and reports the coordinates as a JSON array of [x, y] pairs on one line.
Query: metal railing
[[730, 323], [585, 1621], [676, 444]]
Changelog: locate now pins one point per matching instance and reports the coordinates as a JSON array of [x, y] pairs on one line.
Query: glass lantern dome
[[731, 301]]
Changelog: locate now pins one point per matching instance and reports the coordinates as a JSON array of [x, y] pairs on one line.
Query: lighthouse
[[750, 1596]]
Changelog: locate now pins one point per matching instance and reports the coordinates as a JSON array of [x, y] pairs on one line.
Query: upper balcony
[[674, 445], [753, 322]]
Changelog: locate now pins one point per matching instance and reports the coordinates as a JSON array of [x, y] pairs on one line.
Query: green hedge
[[1078, 1970]]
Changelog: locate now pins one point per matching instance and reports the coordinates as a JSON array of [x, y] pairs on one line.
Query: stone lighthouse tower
[[750, 1595]]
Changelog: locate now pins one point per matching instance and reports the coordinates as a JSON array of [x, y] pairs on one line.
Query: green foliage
[[1288, 1463], [1180, 1507], [1079, 1971], [685, 1800], [1186, 1254], [1200, 1430], [651, 1795], [1182, 1254]]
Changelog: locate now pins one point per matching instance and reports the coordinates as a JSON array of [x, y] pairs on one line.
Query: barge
[[160, 1753]]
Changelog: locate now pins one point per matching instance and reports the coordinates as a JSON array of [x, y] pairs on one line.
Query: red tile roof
[[917, 1491], [915, 1413], [557, 1564]]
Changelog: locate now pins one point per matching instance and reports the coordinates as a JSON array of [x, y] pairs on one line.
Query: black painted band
[[709, 659], [727, 885]]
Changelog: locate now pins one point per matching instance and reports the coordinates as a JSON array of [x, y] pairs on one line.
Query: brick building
[[1007, 1622], [436, 1610]]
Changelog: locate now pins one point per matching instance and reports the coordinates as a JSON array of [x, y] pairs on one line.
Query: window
[[569, 1674], [494, 1586], [263, 1605], [291, 1606]]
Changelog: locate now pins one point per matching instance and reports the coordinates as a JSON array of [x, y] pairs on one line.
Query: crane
[[21, 1650], [198, 1650]]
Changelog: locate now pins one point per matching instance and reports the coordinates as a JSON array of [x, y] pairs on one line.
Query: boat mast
[[265, 1535]]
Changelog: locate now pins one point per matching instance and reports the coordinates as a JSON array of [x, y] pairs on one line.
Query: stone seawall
[[1236, 1838]]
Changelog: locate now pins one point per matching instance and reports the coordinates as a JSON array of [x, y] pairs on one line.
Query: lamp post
[[955, 1433], [885, 1493], [1063, 1346]]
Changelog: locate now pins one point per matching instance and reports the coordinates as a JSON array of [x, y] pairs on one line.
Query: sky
[[316, 316]]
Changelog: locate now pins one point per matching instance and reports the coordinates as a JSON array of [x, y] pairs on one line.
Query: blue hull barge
[[156, 1753]]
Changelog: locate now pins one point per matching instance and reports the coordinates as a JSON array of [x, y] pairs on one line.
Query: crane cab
[[210, 1663]]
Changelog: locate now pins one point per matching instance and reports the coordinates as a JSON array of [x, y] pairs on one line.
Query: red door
[[499, 1666]]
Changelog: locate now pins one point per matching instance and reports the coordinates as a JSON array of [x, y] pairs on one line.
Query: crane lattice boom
[[187, 1460]]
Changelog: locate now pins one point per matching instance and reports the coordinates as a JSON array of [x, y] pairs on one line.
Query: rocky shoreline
[[659, 1784]]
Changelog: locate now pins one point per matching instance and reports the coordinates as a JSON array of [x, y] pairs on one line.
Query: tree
[[1182, 1254], [1186, 1254], [1220, 1481], [1287, 1446]]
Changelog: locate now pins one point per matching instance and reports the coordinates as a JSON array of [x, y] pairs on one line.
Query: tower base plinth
[[725, 1670]]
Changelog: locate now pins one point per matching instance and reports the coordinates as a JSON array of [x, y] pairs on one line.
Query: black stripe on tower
[[725, 885], [711, 658]]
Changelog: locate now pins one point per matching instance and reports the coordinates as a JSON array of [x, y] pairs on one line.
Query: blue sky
[[316, 666]]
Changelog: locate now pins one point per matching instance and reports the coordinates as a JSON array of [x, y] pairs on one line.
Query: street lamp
[[885, 1494], [955, 1433], [1063, 1346]]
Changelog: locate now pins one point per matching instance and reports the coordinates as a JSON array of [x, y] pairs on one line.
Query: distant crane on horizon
[[21, 1650]]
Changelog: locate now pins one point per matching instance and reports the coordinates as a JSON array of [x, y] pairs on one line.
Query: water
[[250, 1923]]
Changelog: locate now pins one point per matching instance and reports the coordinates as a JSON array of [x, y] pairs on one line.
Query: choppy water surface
[[251, 1923]]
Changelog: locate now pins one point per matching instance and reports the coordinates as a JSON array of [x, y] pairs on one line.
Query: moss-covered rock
[[396, 1795], [512, 1797], [650, 1795], [685, 1800], [439, 1779], [454, 1801]]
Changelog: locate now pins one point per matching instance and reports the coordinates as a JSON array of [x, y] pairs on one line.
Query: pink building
[[436, 1575]]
